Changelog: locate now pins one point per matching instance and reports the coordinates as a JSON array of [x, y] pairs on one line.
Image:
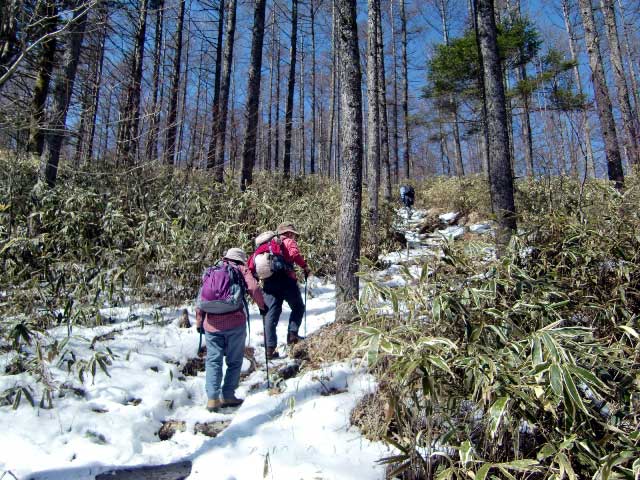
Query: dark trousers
[[277, 289]]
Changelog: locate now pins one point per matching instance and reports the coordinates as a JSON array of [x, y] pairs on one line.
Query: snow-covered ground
[[299, 430]]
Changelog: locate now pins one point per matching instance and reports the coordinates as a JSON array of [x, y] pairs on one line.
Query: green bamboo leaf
[[372, 353], [536, 352], [496, 413], [551, 346], [555, 376], [565, 466], [481, 474], [573, 391], [629, 331], [439, 363], [589, 378]]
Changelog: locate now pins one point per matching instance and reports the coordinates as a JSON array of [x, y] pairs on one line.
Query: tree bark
[[405, 91], [62, 91], [590, 163], [396, 152], [628, 121], [385, 165], [312, 151], [288, 121], [221, 127], [48, 10], [373, 126], [347, 285], [500, 176], [152, 139], [170, 142], [603, 100], [211, 156], [253, 96], [129, 122]]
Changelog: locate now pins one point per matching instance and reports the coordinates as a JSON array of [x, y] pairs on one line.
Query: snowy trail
[[113, 421], [301, 429]]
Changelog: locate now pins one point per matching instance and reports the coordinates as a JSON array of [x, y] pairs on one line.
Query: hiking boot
[[271, 353], [293, 338], [232, 401], [214, 404]]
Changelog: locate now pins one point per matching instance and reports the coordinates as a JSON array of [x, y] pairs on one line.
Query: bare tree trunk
[[347, 285], [253, 95], [332, 105], [48, 11], [586, 125], [396, 152], [312, 152], [193, 154], [267, 163], [288, 121], [382, 101], [603, 101], [632, 68], [9, 49], [302, 154], [373, 127], [276, 153], [185, 85], [221, 128], [97, 83], [170, 142], [152, 139], [211, 155], [405, 90], [500, 176], [628, 121], [129, 122], [62, 91]]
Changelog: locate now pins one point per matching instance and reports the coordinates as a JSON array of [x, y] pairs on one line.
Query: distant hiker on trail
[[407, 195], [220, 315], [280, 284]]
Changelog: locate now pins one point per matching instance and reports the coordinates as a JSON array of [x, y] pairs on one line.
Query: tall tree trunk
[[170, 142], [302, 154], [267, 163], [62, 91], [405, 91], [48, 11], [603, 101], [396, 152], [276, 146], [129, 122], [500, 176], [452, 107], [9, 10], [152, 139], [628, 121], [194, 154], [182, 118], [630, 56], [312, 151], [97, 82], [332, 104], [211, 156], [253, 95], [288, 121], [221, 128], [373, 126], [590, 163], [385, 164], [347, 285]]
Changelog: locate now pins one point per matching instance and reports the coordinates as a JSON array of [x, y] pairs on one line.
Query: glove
[[200, 330], [263, 311], [307, 272]]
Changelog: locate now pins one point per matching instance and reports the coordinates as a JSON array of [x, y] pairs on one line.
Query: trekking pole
[[305, 305], [266, 360], [200, 343]]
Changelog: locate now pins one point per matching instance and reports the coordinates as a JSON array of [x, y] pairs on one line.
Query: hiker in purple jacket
[[225, 334]]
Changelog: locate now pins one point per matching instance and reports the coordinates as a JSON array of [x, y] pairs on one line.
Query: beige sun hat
[[285, 227], [236, 254]]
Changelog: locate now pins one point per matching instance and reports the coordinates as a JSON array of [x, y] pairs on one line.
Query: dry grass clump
[[332, 342], [370, 416]]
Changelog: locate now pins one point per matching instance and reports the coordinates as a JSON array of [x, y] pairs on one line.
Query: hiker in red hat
[[281, 287]]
